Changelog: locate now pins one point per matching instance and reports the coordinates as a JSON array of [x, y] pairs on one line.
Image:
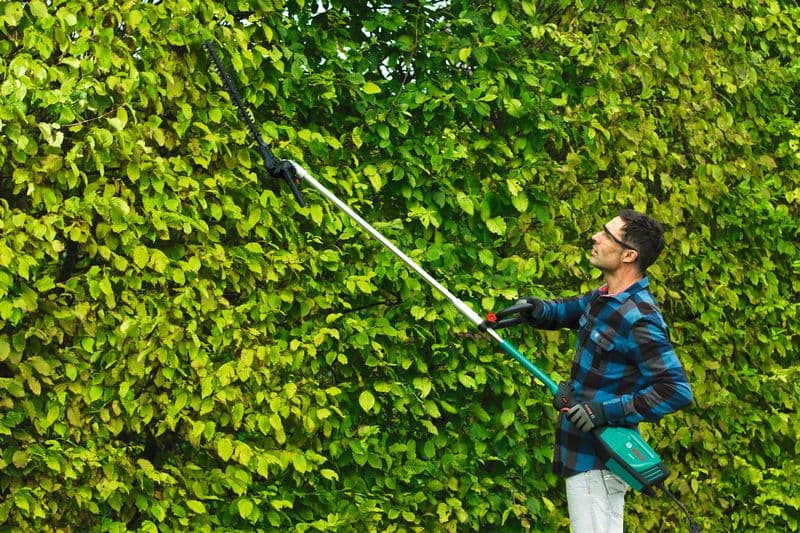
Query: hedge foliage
[[184, 348]]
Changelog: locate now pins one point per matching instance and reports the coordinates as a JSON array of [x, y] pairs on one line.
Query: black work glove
[[587, 415], [565, 396], [524, 311], [534, 312]]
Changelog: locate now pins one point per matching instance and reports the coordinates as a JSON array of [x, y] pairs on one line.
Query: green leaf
[[134, 18], [486, 257], [245, 507], [366, 400], [13, 387], [374, 178], [224, 449], [67, 16], [158, 512], [383, 131], [196, 506], [329, 474], [5, 349], [38, 363], [299, 462], [514, 107], [158, 261], [481, 55], [20, 458], [316, 213], [496, 225], [467, 380], [45, 283], [119, 121], [424, 386], [499, 16], [520, 202], [371, 88], [431, 409], [465, 203]]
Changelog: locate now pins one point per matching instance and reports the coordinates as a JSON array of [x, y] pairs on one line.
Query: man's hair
[[645, 234]]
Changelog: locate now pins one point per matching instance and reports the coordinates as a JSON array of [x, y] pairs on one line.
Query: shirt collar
[[640, 285]]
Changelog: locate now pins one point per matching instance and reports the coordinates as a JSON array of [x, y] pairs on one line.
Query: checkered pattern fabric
[[624, 359]]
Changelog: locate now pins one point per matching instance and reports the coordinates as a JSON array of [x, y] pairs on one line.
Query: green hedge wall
[[184, 348]]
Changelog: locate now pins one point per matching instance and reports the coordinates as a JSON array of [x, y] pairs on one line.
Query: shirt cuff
[[617, 410]]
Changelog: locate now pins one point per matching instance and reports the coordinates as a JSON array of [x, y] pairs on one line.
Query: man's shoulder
[[640, 305]]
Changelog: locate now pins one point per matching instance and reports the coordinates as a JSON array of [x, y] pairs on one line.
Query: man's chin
[[599, 266]]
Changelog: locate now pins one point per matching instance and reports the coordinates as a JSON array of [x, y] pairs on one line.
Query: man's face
[[610, 251]]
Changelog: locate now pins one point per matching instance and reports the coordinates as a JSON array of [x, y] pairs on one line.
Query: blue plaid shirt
[[623, 359]]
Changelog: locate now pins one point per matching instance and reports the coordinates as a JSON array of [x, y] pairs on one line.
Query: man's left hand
[[565, 396], [587, 415]]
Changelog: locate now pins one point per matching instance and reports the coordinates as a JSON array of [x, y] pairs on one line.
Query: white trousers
[[596, 502]]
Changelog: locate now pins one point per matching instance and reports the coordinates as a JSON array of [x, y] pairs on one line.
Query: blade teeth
[[232, 92]]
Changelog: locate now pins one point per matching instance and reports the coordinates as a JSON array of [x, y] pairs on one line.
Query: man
[[624, 370]]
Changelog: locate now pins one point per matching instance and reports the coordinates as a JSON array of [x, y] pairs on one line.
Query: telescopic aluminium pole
[[476, 319]]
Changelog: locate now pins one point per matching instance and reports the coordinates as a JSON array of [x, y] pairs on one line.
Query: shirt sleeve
[[564, 313], [668, 389]]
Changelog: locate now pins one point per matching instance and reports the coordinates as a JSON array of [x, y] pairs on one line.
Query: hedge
[[183, 347]]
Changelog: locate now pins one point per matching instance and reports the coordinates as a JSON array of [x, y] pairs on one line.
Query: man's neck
[[619, 280]]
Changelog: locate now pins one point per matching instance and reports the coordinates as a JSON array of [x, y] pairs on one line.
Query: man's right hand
[[536, 310], [524, 311]]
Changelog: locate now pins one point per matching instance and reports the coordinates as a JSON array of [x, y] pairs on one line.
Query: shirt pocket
[[603, 348]]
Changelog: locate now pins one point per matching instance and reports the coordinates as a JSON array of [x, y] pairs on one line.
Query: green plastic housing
[[631, 458]]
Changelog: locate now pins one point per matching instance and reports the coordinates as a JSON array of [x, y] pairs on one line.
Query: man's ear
[[630, 256]]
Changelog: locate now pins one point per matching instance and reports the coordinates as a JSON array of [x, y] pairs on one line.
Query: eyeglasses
[[613, 238]]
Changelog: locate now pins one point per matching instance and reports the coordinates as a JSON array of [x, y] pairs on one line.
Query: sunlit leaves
[[191, 351]]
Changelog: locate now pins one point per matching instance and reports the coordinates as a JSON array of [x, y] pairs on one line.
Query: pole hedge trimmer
[[625, 451]]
